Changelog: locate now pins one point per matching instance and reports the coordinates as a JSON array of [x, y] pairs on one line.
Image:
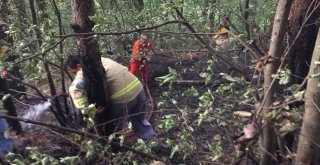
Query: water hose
[[148, 92]]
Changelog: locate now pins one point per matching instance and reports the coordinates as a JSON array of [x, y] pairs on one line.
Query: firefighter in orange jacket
[[126, 94], [139, 61]]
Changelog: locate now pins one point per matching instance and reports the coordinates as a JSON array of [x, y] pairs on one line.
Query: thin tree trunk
[[61, 32], [268, 140], [211, 14], [308, 147], [245, 18], [59, 114]]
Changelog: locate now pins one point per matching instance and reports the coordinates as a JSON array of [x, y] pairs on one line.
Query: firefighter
[[223, 32], [140, 49], [126, 94], [222, 39]]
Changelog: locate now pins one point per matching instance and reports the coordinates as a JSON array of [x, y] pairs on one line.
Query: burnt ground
[[189, 66]]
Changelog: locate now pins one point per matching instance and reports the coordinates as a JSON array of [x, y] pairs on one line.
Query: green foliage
[[208, 74], [191, 92], [89, 115], [169, 78], [182, 128], [283, 76], [37, 158], [215, 150], [168, 122]]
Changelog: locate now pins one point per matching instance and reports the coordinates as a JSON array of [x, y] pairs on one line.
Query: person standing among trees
[[126, 93], [140, 50]]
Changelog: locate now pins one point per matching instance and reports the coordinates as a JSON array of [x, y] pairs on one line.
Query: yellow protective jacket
[[122, 85], [77, 91]]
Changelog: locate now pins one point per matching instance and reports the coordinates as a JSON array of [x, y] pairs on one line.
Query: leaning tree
[[88, 49]]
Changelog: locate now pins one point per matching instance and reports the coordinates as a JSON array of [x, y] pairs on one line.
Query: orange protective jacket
[[138, 48]]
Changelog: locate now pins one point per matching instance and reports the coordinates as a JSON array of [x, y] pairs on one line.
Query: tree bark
[[308, 147], [245, 18], [94, 73], [268, 140], [301, 54]]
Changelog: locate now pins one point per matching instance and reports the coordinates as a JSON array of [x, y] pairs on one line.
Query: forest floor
[[189, 66]]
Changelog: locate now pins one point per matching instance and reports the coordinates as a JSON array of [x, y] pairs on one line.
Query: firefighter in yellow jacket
[[126, 94]]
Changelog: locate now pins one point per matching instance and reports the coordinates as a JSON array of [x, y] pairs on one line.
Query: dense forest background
[[250, 99]]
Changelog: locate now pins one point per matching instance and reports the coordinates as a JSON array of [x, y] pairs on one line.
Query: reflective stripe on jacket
[[123, 85], [77, 91]]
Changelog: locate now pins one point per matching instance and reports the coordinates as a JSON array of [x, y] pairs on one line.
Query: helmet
[[223, 30]]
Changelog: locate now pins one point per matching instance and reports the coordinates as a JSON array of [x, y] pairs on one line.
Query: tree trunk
[[245, 18], [303, 47], [94, 73], [62, 73], [268, 140], [211, 15], [308, 147]]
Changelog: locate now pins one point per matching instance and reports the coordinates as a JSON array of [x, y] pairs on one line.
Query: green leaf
[[190, 92], [5, 97], [174, 150], [299, 95], [90, 149], [283, 75], [161, 104]]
